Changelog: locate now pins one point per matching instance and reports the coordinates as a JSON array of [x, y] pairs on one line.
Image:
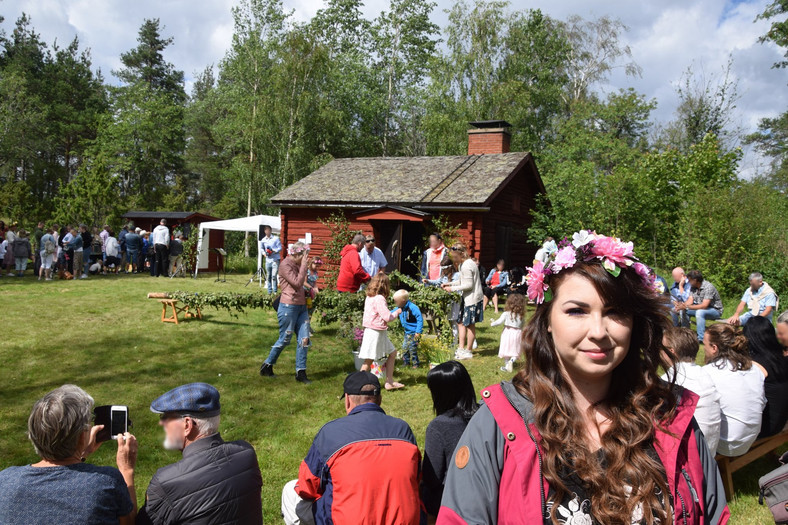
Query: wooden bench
[[758, 449], [172, 304]]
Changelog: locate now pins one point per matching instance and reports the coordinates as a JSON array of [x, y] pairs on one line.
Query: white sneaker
[[462, 355], [475, 344], [83, 276], [508, 367]]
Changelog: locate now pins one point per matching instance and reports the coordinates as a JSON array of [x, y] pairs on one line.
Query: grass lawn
[[105, 336]]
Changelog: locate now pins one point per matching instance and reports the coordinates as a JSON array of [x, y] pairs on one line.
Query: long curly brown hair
[[638, 402]]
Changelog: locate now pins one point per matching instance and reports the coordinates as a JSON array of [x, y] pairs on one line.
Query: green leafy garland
[[335, 307]]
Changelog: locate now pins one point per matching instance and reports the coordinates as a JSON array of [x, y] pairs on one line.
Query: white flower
[[575, 514], [581, 238]]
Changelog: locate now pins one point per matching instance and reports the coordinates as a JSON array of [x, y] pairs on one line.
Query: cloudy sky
[[666, 37]]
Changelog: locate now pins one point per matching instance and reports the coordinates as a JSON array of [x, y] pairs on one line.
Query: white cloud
[[666, 37]]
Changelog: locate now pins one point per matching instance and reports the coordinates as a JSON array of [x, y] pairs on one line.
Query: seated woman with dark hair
[[740, 384], [767, 352], [61, 488], [454, 401]]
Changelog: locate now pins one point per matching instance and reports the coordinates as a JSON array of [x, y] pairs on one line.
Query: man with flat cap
[[363, 467], [216, 481]]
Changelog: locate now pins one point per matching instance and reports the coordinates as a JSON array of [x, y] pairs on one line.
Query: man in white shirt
[[161, 242], [372, 258], [682, 343], [760, 298]]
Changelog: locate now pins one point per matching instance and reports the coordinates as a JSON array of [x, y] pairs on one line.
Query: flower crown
[[585, 246]]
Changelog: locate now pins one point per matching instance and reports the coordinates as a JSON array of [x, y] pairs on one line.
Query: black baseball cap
[[356, 381]]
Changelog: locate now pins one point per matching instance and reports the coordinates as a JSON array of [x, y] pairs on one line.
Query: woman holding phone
[[587, 432], [292, 312], [62, 487]]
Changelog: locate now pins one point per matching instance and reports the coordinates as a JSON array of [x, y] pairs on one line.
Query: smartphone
[[115, 419], [119, 420]]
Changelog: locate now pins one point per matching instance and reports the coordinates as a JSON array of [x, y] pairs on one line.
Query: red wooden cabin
[[489, 193]]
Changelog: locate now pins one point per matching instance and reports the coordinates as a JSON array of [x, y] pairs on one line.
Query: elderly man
[[216, 481], [433, 256], [704, 302], [134, 249], [365, 464], [351, 274], [679, 293], [161, 242], [372, 258], [271, 247], [760, 298]]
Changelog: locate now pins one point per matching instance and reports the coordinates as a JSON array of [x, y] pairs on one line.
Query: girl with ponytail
[[740, 382]]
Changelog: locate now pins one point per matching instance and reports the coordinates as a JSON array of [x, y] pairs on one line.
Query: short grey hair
[[783, 318], [357, 238], [206, 426], [755, 276], [57, 422]]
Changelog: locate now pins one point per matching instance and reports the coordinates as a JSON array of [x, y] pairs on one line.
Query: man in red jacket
[[351, 274]]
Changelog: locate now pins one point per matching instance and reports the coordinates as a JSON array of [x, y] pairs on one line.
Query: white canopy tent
[[241, 224]]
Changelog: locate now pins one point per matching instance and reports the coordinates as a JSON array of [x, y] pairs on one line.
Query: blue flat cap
[[198, 399]]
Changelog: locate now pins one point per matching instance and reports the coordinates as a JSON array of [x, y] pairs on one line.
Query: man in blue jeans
[[703, 304], [272, 249]]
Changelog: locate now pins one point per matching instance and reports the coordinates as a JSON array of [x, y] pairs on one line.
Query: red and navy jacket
[[363, 469]]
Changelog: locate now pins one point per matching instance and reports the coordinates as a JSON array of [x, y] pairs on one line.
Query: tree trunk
[[251, 174]]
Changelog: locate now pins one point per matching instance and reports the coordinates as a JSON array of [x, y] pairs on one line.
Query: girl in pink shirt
[[375, 344]]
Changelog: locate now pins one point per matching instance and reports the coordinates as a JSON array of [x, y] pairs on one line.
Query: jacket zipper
[[689, 484], [683, 507], [538, 456]]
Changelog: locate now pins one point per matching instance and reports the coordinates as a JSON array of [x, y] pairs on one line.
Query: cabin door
[[401, 243]]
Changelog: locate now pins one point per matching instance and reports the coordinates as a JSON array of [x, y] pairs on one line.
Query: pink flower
[[643, 271], [565, 258], [612, 250], [649, 278], [536, 284]]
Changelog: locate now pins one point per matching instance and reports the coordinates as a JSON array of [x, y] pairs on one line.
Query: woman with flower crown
[[587, 433]]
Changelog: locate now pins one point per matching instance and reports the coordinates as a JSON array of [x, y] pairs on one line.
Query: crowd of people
[[72, 252], [588, 431]]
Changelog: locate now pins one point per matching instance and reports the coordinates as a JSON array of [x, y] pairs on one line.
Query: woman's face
[[709, 349], [591, 339], [297, 257], [782, 333]]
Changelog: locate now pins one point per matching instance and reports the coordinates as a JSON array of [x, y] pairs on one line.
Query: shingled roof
[[408, 181]]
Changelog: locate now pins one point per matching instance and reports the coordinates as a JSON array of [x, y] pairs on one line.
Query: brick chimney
[[489, 137]]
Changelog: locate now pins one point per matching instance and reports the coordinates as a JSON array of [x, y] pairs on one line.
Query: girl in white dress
[[376, 345], [511, 337]]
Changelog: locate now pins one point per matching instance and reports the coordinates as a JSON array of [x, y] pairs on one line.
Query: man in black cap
[[216, 481], [363, 465]]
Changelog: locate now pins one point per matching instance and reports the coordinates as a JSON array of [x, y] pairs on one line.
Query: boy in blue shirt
[[413, 323]]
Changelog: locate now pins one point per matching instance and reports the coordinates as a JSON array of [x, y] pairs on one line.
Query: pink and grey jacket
[[496, 475]]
